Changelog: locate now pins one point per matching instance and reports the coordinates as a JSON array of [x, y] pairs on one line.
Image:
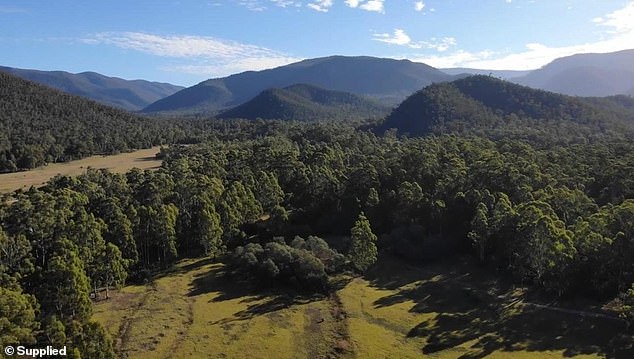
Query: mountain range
[[585, 75], [386, 80], [132, 95], [307, 103]]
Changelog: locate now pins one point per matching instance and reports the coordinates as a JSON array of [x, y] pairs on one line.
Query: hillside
[[130, 95], [483, 102], [505, 74], [306, 103], [387, 80], [40, 125], [585, 75]]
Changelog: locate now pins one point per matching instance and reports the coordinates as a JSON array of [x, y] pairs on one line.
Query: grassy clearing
[[195, 312], [457, 311], [143, 159], [442, 310]]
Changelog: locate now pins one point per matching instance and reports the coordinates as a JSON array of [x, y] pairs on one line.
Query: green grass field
[[442, 310]]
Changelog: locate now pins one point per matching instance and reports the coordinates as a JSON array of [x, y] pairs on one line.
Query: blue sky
[[186, 41]]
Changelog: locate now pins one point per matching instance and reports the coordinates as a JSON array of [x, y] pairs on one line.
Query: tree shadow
[[488, 315], [261, 298]]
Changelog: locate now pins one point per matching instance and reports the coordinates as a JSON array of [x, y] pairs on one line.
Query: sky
[[184, 42]]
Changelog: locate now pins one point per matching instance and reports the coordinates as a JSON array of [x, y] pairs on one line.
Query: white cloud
[[286, 3], [321, 5], [618, 34], [419, 6], [368, 5], [260, 5], [229, 68], [621, 21], [253, 5], [207, 55], [400, 37]]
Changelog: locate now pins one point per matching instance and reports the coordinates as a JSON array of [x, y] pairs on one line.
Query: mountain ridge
[[132, 95], [587, 74], [387, 80]]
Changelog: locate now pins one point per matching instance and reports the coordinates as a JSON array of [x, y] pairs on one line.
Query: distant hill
[[130, 95], [504, 74], [478, 102], [387, 80], [586, 75], [303, 102], [40, 125]]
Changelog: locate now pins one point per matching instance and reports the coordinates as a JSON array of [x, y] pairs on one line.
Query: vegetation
[[307, 103], [128, 95], [486, 106], [363, 244], [298, 205], [32, 134], [119, 163]]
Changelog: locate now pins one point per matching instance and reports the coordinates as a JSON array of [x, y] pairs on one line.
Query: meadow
[[120, 163], [442, 310]]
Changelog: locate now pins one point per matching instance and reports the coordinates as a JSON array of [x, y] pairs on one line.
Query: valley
[[296, 202]]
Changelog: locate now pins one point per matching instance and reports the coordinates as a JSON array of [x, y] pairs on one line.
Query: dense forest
[[39, 125], [545, 201], [303, 102]]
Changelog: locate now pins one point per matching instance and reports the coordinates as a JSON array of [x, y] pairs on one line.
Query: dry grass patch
[[143, 159], [197, 312]]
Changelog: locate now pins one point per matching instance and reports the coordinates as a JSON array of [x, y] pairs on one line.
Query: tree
[[479, 230], [363, 252], [626, 311], [111, 267], [93, 342], [55, 331], [65, 291], [17, 317], [205, 226]]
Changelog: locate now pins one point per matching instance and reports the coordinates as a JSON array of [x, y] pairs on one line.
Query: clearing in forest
[[123, 162], [441, 310]]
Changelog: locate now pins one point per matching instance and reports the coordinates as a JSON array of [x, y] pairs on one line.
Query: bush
[[305, 263]]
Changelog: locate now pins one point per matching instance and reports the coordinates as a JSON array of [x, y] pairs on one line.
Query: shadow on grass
[[260, 298], [179, 269], [148, 158], [487, 316]]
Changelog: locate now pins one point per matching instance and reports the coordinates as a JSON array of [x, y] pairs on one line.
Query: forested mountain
[[307, 103], [385, 79], [484, 103], [40, 125], [505, 74], [585, 75], [130, 95]]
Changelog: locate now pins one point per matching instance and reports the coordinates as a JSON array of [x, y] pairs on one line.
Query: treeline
[[39, 125]]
